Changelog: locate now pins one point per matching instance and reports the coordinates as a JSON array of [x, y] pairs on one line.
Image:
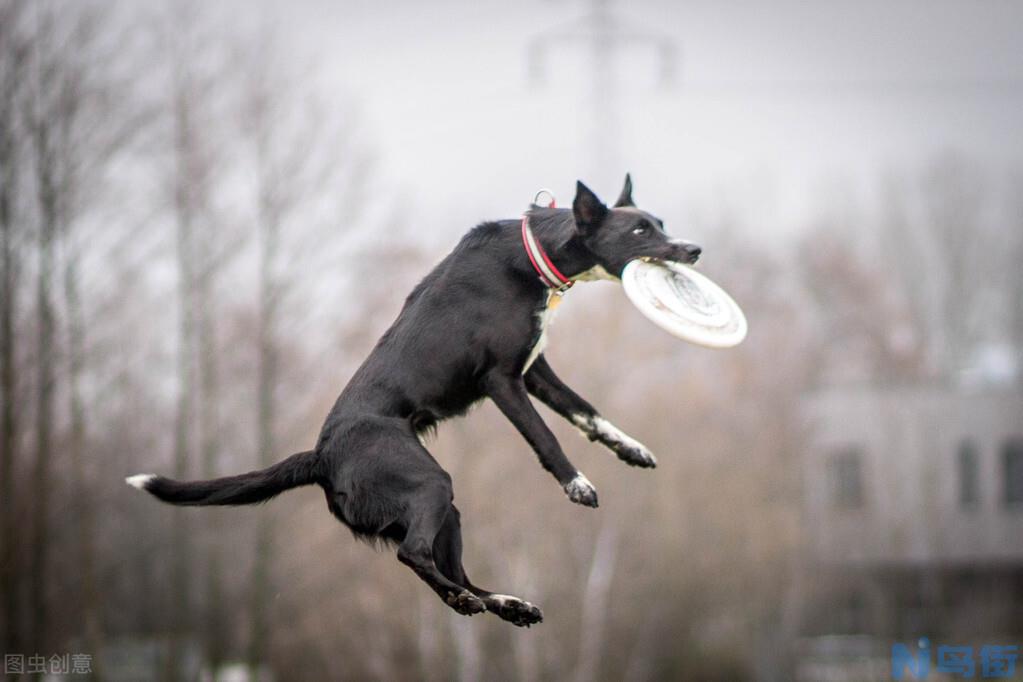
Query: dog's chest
[[542, 322]]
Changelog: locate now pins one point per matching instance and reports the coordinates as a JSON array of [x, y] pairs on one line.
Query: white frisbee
[[684, 302]]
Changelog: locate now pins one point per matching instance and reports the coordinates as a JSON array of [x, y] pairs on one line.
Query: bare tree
[[13, 56], [953, 193], [101, 123], [192, 86], [595, 601], [939, 246], [211, 256], [46, 110], [1013, 234], [258, 105], [74, 134], [283, 136], [269, 294]]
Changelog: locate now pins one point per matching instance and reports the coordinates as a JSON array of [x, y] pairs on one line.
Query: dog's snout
[[689, 252]]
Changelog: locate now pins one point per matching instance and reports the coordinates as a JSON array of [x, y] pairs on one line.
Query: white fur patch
[[139, 481], [580, 481], [581, 491], [544, 317], [606, 429], [609, 434], [582, 422], [503, 598]]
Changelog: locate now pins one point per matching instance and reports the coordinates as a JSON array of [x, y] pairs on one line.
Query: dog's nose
[[692, 252]]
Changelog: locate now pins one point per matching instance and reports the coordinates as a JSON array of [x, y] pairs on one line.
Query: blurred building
[[913, 503]]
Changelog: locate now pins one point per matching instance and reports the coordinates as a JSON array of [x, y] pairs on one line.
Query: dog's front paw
[[581, 491], [635, 454], [628, 449]]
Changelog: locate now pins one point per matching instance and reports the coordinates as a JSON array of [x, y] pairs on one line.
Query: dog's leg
[[427, 510], [509, 394], [542, 382], [447, 551]]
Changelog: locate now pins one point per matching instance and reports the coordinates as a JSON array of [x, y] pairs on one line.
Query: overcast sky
[[773, 101]]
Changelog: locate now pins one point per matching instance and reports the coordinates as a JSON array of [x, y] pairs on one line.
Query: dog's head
[[614, 236]]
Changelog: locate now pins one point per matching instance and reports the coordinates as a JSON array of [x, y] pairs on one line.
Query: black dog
[[474, 328]]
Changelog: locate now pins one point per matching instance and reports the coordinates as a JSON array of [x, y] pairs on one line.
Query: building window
[[846, 473], [969, 489], [1012, 463]]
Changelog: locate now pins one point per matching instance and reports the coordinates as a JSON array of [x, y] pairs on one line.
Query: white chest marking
[[544, 317]]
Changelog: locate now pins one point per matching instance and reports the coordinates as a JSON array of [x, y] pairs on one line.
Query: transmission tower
[[602, 35]]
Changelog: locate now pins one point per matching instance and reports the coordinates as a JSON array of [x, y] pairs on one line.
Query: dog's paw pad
[[466, 603], [581, 491], [515, 610]]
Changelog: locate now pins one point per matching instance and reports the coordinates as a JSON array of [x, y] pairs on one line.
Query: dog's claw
[[581, 491]]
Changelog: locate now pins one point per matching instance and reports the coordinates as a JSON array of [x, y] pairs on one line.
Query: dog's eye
[[641, 230]]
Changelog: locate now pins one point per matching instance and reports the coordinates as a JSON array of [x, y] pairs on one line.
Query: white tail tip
[[139, 481]]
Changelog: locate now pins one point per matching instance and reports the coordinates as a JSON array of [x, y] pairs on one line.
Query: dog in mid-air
[[474, 328]]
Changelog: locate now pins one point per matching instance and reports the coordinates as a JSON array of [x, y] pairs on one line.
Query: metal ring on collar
[[540, 192]]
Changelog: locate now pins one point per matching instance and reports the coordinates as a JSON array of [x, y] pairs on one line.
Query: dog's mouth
[[684, 254], [686, 258], [677, 251]]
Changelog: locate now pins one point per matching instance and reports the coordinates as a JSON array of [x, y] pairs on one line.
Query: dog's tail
[[255, 486]]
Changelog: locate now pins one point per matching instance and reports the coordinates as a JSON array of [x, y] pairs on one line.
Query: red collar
[[549, 275]]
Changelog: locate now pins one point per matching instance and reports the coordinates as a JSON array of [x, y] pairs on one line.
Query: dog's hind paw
[[581, 491], [466, 603], [514, 610]]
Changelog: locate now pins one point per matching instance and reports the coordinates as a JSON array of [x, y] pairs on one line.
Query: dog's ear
[[588, 210], [625, 198]]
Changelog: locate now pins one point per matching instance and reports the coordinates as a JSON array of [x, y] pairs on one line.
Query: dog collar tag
[[554, 299]]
